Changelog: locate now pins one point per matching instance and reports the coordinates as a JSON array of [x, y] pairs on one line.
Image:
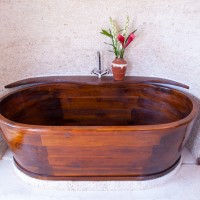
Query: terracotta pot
[[119, 69]]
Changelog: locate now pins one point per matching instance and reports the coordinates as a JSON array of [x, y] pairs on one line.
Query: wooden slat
[[97, 151], [120, 170], [88, 139]]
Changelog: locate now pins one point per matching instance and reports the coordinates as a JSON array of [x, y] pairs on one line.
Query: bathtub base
[[96, 185], [99, 178]]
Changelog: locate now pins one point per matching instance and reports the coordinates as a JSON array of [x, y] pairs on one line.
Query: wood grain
[[93, 80], [84, 130]]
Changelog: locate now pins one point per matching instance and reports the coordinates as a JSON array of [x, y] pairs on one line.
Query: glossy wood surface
[[94, 80], [107, 131]]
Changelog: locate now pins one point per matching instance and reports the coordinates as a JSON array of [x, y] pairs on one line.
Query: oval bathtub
[[97, 130]]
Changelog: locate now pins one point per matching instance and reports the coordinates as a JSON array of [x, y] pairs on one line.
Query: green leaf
[[134, 31], [110, 33], [104, 32], [108, 44]]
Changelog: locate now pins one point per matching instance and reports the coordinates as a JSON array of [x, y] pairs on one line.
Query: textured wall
[[48, 37]]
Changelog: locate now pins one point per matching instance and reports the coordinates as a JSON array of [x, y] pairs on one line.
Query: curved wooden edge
[[94, 80], [99, 178]]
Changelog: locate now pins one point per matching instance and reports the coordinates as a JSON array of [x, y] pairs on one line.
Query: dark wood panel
[[94, 80], [97, 151], [96, 139]]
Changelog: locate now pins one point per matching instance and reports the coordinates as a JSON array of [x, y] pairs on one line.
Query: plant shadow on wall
[[120, 41]]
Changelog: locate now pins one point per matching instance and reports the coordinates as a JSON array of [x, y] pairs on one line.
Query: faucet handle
[[100, 73]]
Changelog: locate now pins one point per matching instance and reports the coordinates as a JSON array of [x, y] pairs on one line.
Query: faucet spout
[[99, 58]]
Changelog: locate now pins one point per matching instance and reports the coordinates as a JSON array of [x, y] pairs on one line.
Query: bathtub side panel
[[27, 149], [61, 153]]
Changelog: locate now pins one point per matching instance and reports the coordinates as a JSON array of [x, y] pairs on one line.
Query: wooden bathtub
[[82, 128]]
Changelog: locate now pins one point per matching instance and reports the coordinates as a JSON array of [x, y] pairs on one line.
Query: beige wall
[[49, 37]]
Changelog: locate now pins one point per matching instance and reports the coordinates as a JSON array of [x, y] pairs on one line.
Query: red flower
[[124, 42], [121, 38], [130, 38]]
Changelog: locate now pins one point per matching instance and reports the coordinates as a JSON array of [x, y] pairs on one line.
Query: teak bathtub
[[82, 128]]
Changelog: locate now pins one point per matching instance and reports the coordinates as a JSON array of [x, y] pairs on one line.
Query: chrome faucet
[[99, 72]]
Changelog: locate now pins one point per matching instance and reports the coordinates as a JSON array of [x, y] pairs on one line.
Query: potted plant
[[120, 41]]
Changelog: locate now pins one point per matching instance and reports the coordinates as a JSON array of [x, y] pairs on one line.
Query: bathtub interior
[[67, 104]]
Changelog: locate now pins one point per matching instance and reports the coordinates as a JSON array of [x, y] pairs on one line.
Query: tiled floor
[[185, 185]]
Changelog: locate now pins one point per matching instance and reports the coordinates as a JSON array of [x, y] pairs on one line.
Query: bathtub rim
[[178, 123]]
